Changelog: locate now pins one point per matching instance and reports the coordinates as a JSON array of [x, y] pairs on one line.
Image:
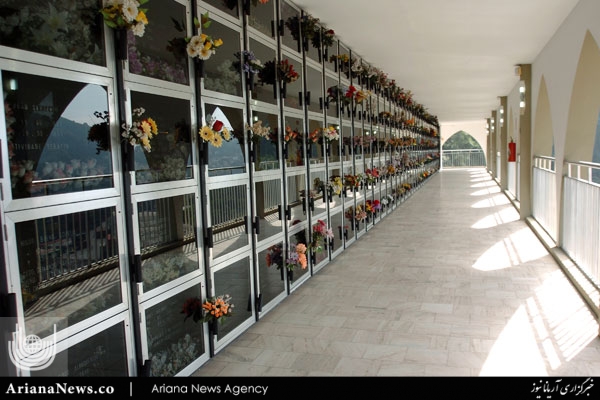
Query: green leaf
[[142, 2], [205, 21]]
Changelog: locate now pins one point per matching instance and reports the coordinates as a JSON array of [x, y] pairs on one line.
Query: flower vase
[[199, 67], [283, 89], [120, 36], [250, 80], [290, 275], [213, 327], [281, 270]]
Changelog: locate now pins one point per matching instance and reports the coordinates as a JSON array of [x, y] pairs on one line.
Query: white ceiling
[[456, 56]]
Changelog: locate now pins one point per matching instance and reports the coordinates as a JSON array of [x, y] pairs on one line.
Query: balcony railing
[[544, 202], [463, 158]]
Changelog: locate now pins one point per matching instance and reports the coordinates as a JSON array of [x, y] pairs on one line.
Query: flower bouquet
[[275, 256], [259, 131], [291, 134], [141, 131], [296, 257], [213, 309], [320, 232], [125, 14], [335, 185], [215, 132], [202, 46], [330, 134], [249, 64], [314, 136]]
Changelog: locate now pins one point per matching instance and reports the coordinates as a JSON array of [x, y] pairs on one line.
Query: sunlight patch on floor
[[503, 216], [517, 341], [498, 200]]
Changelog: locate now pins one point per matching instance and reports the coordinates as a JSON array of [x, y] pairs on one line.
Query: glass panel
[[344, 61], [229, 158], [317, 192], [316, 145], [173, 345], [263, 92], [330, 57], [291, 18], [61, 28], [270, 272], [58, 135], [293, 93], [228, 213], [103, 354], [350, 223], [234, 280], [314, 84], [339, 227], [297, 238], [268, 203], [266, 154], [313, 51], [228, 6], [331, 103], [335, 186], [334, 146], [170, 157], [69, 267], [294, 141], [261, 17], [167, 239], [322, 251], [161, 52], [219, 73], [296, 187]]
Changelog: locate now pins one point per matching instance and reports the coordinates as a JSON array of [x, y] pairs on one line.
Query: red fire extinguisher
[[512, 151]]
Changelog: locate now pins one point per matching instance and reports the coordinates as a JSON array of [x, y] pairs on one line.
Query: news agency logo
[[31, 353]]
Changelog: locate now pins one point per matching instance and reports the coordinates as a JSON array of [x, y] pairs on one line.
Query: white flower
[[130, 10], [138, 29]]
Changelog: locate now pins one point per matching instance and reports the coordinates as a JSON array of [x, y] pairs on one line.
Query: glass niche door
[[229, 252]]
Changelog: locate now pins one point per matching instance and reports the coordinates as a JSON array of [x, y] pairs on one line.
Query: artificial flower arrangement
[[330, 134], [273, 70], [307, 23], [259, 131], [125, 14], [141, 131], [247, 61], [212, 309], [391, 169], [296, 257], [335, 184], [202, 46], [339, 95], [215, 132], [352, 181], [325, 39], [320, 233], [371, 175], [256, 2], [360, 214], [372, 207], [291, 134], [275, 256], [314, 136]]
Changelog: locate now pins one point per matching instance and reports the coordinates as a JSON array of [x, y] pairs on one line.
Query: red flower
[[217, 126]]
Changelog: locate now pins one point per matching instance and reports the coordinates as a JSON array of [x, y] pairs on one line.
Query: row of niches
[[159, 45]]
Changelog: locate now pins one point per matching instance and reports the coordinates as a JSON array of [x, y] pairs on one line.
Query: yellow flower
[[141, 17], [218, 42], [146, 128], [146, 143], [153, 125], [206, 133], [217, 141], [226, 134]]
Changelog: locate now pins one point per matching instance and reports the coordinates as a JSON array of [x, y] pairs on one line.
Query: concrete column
[[488, 151], [495, 144], [525, 148]]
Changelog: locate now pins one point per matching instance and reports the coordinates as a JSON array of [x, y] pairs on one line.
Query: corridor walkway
[[450, 284]]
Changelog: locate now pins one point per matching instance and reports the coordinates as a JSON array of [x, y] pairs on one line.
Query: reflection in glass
[[293, 93], [335, 188], [228, 6], [296, 238], [294, 141], [288, 13], [62, 28], [261, 17], [167, 229], [262, 92], [161, 52], [323, 254], [235, 281], [266, 155], [314, 89], [331, 106], [230, 158], [339, 227], [103, 354], [171, 155], [315, 142], [270, 272], [172, 343], [268, 203], [318, 197], [228, 216], [69, 267], [219, 73], [58, 135], [297, 201]]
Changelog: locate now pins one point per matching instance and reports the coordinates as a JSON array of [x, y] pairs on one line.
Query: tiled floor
[[450, 284]]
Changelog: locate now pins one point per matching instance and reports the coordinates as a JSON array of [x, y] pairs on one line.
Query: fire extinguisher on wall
[[512, 151]]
